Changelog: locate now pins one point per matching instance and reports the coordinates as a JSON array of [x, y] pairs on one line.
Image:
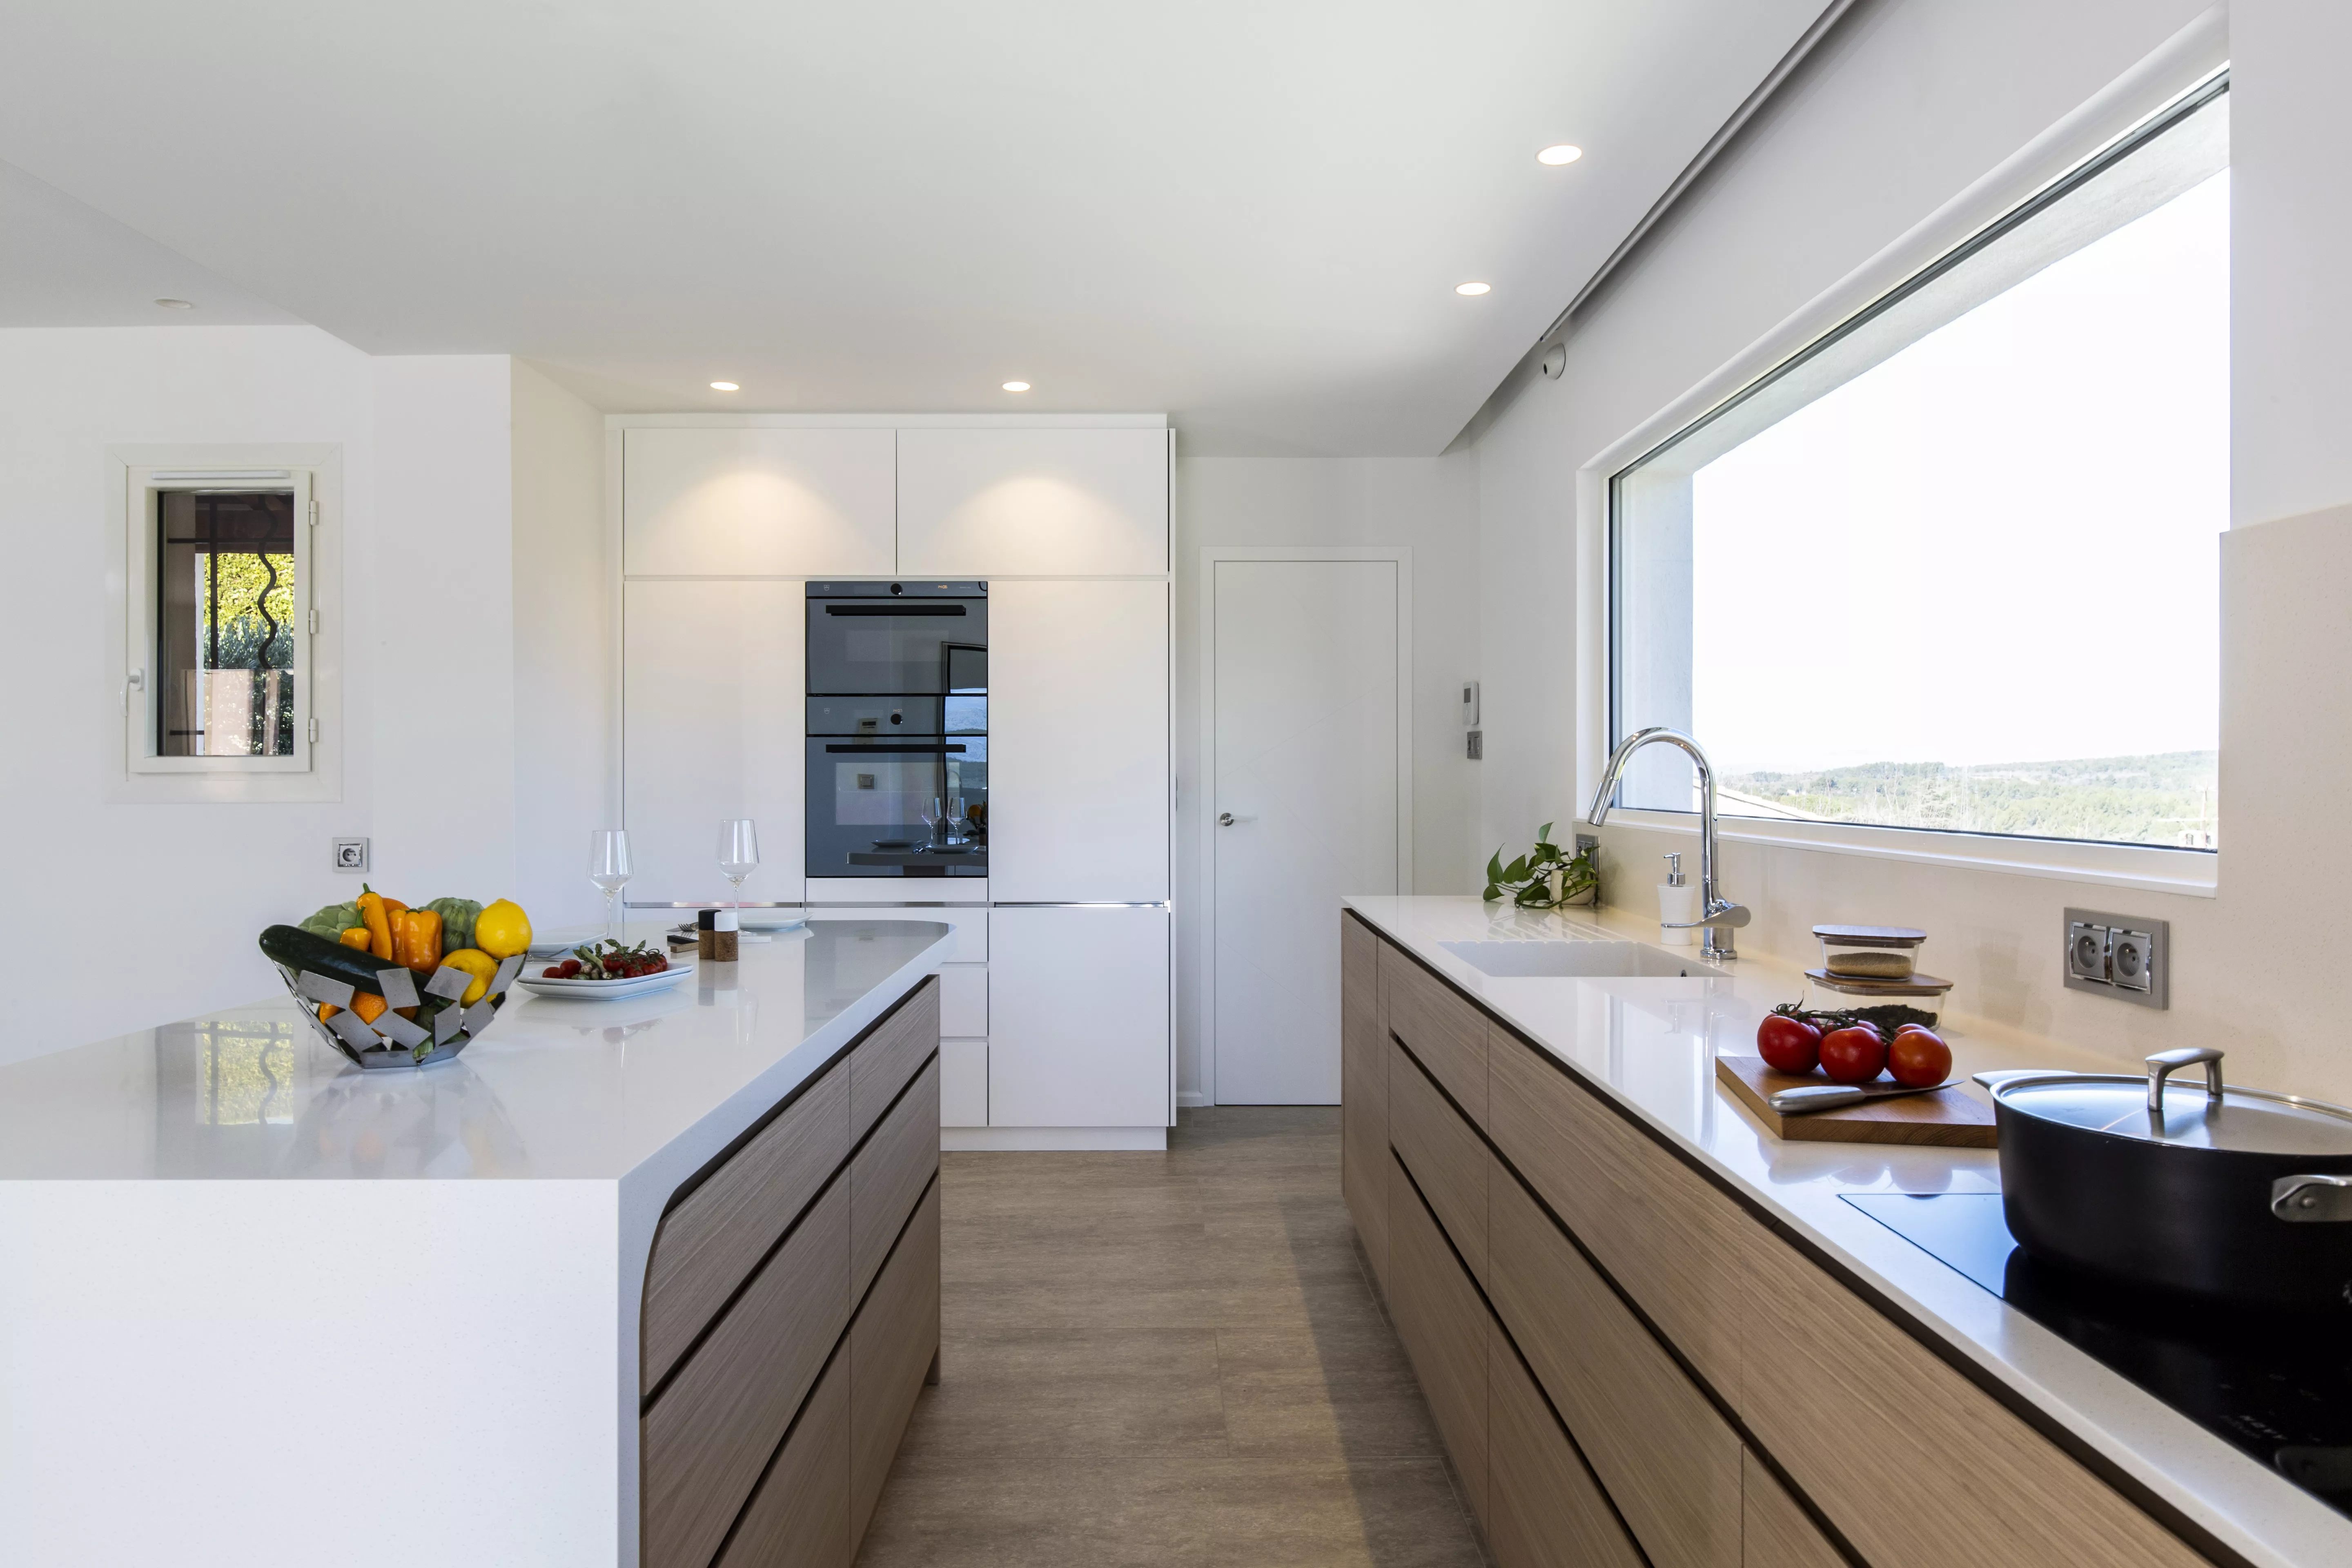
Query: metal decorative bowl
[[394, 1041]]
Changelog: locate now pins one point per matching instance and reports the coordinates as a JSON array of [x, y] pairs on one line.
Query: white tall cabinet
[[1057, 1002]]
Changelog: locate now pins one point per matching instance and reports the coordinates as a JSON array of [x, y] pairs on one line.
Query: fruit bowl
[[441, 1030]]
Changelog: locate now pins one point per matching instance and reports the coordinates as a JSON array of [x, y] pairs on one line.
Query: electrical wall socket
[[2123, 956], [1477, 749], [351, 854]]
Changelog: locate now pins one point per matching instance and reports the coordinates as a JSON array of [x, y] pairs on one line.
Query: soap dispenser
[[1677, 905]]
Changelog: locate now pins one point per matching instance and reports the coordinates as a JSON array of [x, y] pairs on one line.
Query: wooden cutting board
[[1948, 1117]]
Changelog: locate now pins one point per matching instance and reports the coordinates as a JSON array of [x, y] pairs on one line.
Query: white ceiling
[[1248, 212]]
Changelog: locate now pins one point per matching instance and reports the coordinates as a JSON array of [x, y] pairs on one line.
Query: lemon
[[477, 963], [502, 930]]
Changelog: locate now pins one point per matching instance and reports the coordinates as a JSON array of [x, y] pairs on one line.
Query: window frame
[[136, 775], [1995, 208], [143, 690]]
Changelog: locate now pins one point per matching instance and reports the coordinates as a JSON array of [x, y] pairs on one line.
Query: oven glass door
[[896, 647], [867, 801]]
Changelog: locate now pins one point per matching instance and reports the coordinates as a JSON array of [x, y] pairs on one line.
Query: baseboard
[[1190, 1099], [1007, 1139]]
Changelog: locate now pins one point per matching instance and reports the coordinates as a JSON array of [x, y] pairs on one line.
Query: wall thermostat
[[1470, 704]]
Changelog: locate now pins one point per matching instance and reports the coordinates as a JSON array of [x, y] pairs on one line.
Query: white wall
[[565, 649], [1427, 504], [144, 914], [1902, 108]]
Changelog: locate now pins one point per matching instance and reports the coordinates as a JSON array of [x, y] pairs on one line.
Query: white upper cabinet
[[1066, 503], [1078, 741], [759, 503], [712, 714]]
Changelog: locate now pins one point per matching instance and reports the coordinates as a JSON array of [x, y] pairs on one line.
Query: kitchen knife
[[1815, 1096]]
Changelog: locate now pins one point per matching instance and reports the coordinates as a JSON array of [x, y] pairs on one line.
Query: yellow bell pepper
[[477, 963], [358, 937], [416, 940]]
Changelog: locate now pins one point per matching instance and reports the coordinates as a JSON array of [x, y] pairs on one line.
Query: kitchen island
[[1650, 1328], [257, 1306]]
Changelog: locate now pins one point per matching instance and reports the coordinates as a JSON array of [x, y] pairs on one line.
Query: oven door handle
[[892, 750]]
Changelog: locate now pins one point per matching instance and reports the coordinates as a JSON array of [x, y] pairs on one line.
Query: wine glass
[[609, 869], [738, 856]]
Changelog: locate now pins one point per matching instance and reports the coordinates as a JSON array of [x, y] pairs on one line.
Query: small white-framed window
[[1950, 574], [219, 587]]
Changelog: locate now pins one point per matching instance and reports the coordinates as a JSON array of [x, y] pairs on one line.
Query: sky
[[2001, 544]]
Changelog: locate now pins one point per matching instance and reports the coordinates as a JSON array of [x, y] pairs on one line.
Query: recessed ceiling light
[[724, 386], [177, 304], [1016, 386], [1471, 288], [1563, 153]]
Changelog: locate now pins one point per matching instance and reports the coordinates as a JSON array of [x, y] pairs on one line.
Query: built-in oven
[[897, 729]]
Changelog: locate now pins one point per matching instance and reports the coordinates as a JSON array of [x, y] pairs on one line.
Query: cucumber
[[301, 950]]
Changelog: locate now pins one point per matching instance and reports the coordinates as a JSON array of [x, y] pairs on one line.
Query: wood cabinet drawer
[[1666, 1235], [1667, 1459], [1845, 1381], [1443, 1325], [721, 1229], [800, 1516], [1775, 1532], [890, 1349], [1547, 1510], [1363, 1092], [1444, 1157], [890, 1173], [710, 1433], [880, 1064], [1446, 1033]]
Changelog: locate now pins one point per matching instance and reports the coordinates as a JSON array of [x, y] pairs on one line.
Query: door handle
[[1226, 819]]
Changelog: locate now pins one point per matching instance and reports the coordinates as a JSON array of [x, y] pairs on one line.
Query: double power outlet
[[2121, 956]]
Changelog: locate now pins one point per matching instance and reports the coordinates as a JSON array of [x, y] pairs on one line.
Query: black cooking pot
[[2234, 1195]]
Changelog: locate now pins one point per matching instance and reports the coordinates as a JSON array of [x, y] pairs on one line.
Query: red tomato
[[1788, 1045], [1855, 1054], [1918, 1058]]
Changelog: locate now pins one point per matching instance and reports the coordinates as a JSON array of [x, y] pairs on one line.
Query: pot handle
[[2164, 1064], [2311, 1200]]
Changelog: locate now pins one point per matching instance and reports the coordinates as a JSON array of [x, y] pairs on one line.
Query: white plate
[[605, 990], [774, 922]]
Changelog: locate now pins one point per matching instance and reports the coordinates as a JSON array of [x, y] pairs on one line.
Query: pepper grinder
[[1677, 905]]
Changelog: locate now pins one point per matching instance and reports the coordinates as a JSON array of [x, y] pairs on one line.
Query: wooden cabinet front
[[800, 1516], [1666, 1236], [1443, 1325], [1442, 1031], [1444, 1156], [891, 1347], [1666, 1457], [1364, 1092], [710, 1433], [1545, 1508], [720, 1230], [890, 1173], [1845, 1382]]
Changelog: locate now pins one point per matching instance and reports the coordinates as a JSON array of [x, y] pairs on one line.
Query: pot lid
[[2195, 1115]]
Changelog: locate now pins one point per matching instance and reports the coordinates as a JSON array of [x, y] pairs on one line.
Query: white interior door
[[1304, 793]]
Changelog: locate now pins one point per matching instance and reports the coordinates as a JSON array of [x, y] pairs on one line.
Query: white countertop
[[555, 1089], [1651, 1045]]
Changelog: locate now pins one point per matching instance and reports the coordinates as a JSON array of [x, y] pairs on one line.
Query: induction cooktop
[[2279, 1388]]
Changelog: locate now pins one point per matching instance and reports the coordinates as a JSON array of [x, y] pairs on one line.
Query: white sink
[[1515, 959]]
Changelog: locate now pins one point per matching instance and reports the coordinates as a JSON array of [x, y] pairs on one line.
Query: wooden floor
[[1168, 1359]]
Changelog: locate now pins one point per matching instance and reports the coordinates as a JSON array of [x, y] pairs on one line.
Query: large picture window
[[1955, 566]]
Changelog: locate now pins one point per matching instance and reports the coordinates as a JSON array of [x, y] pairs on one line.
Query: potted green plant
[[1546, 876]]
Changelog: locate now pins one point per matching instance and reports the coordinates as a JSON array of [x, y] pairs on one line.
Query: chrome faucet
[[1718, 915]]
